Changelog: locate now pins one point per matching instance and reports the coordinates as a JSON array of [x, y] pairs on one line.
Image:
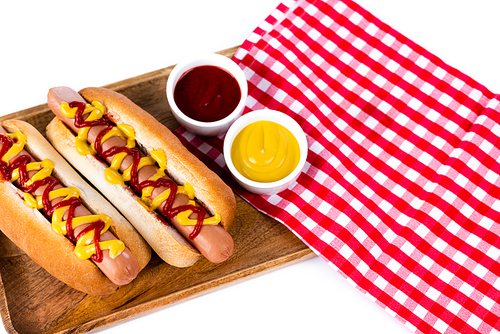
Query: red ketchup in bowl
[[207, 93]]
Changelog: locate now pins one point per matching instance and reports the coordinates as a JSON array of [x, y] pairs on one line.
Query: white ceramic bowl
[[265, 188], [206, 128]]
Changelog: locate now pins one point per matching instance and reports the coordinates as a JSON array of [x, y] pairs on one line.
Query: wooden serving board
[[32, 301]]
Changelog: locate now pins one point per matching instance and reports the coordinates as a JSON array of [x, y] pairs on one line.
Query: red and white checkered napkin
[[401, 188]]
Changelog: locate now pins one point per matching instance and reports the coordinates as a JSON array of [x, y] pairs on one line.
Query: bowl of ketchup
[[207, 93], [265, 151]]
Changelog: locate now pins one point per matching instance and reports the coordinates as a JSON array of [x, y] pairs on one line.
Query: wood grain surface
[[32, 301]]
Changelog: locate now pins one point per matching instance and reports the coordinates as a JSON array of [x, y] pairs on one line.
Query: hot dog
[[33, 177], [161, 220]]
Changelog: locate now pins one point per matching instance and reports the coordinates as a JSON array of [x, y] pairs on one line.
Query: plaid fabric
[[401, 188]]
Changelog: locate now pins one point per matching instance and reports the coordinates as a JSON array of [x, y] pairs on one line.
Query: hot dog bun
[[31, 231], [182, 166]]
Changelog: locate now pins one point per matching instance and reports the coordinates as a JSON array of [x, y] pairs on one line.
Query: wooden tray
[[32, 301]]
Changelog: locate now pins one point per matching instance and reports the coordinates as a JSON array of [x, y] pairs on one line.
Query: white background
[[94, 43]]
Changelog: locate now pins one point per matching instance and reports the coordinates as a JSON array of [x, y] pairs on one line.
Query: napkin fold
[[400, 192]]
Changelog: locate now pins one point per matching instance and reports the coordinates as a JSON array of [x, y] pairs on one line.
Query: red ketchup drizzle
[[167, 210], [170, 212], [21, 162], [7, 143], [97, 226], [80, 122], [207, 93]]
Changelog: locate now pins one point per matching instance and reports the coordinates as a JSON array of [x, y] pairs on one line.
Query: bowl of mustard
[[265, 151]]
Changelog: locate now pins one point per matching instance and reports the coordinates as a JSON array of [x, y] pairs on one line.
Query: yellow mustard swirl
[[112, 174], [85, 247], [265, 151]]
